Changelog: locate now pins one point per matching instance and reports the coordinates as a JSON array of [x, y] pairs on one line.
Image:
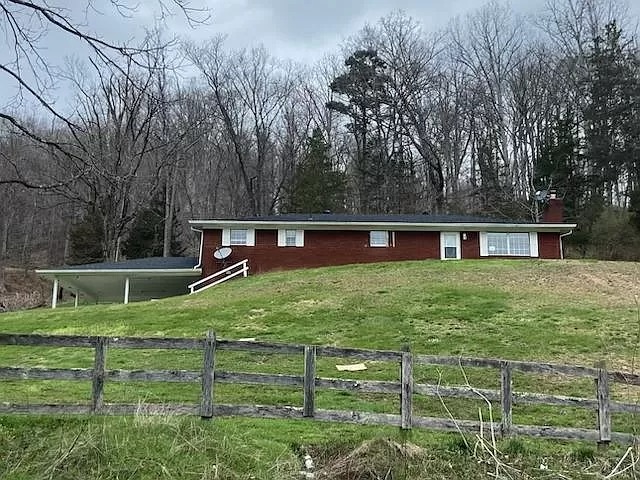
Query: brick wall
[[549, 245], [471, 246], [321, 248], [324, 248], [553, 211]]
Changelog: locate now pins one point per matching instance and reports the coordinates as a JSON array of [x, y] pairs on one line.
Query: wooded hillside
[[473, 118]]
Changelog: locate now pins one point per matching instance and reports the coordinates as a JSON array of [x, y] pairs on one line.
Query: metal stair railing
[[240, 268]]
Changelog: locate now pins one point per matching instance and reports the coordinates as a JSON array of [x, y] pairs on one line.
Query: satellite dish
[[222, 252], [541, 195]]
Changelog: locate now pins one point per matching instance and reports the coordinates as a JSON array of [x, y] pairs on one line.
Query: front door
[[450, 246]]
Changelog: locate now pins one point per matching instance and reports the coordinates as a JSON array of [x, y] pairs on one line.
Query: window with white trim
[[238, 236], [290, 238], [508, 244], [450, 248], [378, 238]]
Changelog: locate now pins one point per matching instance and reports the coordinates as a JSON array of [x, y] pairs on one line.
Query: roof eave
[[166, 272], [397, 226]]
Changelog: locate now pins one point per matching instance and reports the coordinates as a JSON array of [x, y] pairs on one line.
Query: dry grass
[[606, 284], [22, 290], [380, 458]]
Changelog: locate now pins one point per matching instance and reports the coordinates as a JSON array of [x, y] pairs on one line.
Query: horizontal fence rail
[[405, 387]]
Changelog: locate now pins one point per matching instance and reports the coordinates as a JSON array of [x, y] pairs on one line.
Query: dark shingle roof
[[401, 218], [151, 263]]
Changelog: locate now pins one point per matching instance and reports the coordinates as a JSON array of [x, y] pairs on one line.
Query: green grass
[[181, 448], [565, 312], [511, 309]]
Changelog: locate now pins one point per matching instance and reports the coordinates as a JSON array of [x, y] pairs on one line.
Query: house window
[[291, 238], [238, 236], [378, 238], [450, 246], [511, 244]]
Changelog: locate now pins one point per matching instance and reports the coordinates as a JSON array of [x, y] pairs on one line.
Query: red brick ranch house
[[280, 242], [232, 247]]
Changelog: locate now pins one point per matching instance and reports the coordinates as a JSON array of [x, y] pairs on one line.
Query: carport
[[127, 281]]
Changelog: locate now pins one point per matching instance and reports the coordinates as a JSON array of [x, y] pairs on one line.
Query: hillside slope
[[567, 311]]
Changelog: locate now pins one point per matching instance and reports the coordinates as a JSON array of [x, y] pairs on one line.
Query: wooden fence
[[406, 388]]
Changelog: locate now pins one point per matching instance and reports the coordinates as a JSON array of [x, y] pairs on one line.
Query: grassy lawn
[[558, 311]]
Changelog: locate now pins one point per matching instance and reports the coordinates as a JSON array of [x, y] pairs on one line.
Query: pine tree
[[86, 240], [365, 88], [317, 185], [560, 164], [147, 231], [612, 133]]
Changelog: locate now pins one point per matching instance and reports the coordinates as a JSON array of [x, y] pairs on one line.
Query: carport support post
[[126, 290], [75, 303], [54, 294]]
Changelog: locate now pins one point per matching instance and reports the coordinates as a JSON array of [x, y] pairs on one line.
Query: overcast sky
[[305, 30], [301, 30]]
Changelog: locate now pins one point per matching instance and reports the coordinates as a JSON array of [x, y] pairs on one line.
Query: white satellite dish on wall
[[222, 252]]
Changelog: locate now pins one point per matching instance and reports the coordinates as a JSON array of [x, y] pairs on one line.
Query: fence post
[[309, 381], [208, 375], [506, 398], [406, 392], [604, 412], [99, 364]]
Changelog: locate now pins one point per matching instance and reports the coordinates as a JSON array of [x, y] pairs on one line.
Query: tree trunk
[[169, 205]]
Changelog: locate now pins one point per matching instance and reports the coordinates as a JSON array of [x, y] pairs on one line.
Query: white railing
[[229, 272]]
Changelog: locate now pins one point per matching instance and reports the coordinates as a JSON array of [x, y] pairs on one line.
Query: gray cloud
[[302, 30], [300, 27]]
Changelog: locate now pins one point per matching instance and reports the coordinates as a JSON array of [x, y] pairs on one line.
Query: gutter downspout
[[561, 247], [199, 265]]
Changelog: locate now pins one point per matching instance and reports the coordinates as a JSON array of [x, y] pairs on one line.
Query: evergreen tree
[[317, 185], [560, 164], [147, 230], [86, 240], [612, 132], [366, 92]]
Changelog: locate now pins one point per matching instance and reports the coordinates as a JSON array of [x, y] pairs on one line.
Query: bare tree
[[117, 116], [32, 74], [490, 44], [416, 71], [250, 91]]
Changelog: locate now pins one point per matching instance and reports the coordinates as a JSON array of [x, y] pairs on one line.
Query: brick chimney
[[553, 210]]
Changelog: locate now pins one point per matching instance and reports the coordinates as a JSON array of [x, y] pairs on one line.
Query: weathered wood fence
[[406, 388]]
